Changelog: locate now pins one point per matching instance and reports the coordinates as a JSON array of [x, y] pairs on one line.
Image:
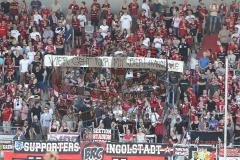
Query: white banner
[[68, 137], [102, 134], [229, 158], [113, 62]]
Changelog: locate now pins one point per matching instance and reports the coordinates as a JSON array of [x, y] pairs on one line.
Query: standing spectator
[[133, 10], [180, 130], [159, 130], [7, 114], [47, 34], [213, 16], [156, 7], [24, 68], [107, 122], [89, 30], [146, 7], [14, 9], [184, 50], [45, 121], [17, 58], [126, 23], [158, 42], [224, 36], [68, 34], [94, 16], [35, 129], [105, 7]]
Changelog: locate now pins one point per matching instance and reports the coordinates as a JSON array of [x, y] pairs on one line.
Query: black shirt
[[107, 123], [178, 127], [36, 111], [39, 75], [183, 49], [17, 60], [36, 127], [211, 106]]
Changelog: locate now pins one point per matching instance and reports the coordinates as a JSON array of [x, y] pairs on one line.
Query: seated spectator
[[212, 123], [204, 61], [19, 135], [128, 137], [54, 127], [140, 136], [64, 128]]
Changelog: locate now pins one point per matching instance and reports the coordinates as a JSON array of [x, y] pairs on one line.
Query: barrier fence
[[69, 145]]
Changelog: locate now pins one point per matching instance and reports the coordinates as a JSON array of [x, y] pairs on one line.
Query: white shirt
[[154, 118], [193, 63], [176, 22], [140, 138], [31, 56], [15, 34], [238, 27], [146, 42], [104, 29], [82, 19], [126, 21], [158, 42], [17, 104], [24, 63], [37, 18], [34, 35], [146, 8]]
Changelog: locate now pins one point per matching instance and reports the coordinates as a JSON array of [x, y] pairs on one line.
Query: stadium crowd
[[39, 100]]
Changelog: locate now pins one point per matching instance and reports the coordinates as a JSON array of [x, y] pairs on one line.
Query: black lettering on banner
[[105, 62], [98, 62], [118, 62]]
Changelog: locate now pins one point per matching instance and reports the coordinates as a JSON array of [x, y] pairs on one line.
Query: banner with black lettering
[[63, 137], [181, 152], [6, 145], [42, 147], [206, 137], [231, 152], [102, 134], [113, 62]]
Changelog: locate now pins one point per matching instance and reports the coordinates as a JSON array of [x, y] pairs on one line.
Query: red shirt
[[7, 113], [141, 52], [133, 9], [128, 138], [45, 12], [3, 31]]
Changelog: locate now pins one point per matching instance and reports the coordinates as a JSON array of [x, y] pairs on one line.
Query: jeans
[[196, 89], [17, 75], [175, 31]]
